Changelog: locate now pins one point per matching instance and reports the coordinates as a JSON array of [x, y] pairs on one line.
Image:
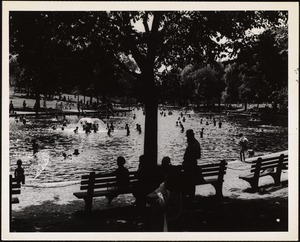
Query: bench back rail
[[15, 188], [213, 174], [272, 166], [98, 181]]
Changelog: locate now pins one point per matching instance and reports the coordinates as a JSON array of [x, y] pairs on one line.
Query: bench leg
[[253, 183], [276, 178], [218, 187], [88, 204]]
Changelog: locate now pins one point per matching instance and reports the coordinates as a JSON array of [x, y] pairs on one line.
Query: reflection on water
[[98, 151]]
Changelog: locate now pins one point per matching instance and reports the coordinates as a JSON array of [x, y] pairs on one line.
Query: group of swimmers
[[21, 119], [163, 113], [179, 123]]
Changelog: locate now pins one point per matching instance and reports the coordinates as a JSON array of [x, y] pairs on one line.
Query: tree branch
[[125, 68], [139, 58], [153, 38], [145, 23]]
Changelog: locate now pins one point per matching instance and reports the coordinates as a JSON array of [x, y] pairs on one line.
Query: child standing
[[19, 173], [243, 142]]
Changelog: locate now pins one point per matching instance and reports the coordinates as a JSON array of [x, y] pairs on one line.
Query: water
[[98, 151]]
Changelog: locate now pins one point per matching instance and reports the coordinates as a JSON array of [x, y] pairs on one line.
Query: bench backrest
[[271, 162], [15, 187], [102, 181], [214, 169]]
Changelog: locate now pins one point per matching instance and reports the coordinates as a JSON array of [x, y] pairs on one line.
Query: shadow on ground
[[204, 214], [267, 189]]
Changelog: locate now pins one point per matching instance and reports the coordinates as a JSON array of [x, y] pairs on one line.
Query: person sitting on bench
[[122, 176]]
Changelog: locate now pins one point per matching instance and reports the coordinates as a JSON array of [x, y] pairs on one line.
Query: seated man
[[122, 176]]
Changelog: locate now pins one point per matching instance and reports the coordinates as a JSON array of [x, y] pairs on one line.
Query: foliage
[[260, 72], [91, 40]]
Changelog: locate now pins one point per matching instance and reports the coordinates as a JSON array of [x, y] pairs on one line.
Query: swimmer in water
[[35, 146], [127, 129], [201, 133]]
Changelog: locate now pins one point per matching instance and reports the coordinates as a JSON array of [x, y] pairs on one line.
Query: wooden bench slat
[[210, 169], [212, 174], [16, 192], [263, 162], [15, 188], [102, 193], [105, 180], [104, 185], [15, 200], [103, 175], [210, 165], [269, 164], [265, 167], [16, 185], [270, 159]]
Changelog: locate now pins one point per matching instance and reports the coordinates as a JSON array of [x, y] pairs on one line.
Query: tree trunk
[[245, 106], [151, 107]]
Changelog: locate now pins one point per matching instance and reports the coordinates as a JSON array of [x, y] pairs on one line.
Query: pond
[[98, 151]]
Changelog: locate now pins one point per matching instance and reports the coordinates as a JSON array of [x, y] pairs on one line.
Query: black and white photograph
[[150, 120]]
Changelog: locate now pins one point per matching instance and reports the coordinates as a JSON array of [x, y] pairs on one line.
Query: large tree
[[176, 39], [167, 39]]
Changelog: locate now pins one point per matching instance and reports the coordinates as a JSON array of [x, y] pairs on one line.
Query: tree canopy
[[88, 48]]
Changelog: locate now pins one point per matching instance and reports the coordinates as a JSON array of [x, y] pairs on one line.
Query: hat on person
[[189, 132], [76, 152]]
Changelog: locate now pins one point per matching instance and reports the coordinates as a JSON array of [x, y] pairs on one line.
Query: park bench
[[213, 174], [269, 166], [97, 185], [15, 188]]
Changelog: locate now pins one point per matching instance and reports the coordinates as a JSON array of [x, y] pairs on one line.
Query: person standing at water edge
[[19, 173], [191, 155], [243, 142], [11, 107]]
